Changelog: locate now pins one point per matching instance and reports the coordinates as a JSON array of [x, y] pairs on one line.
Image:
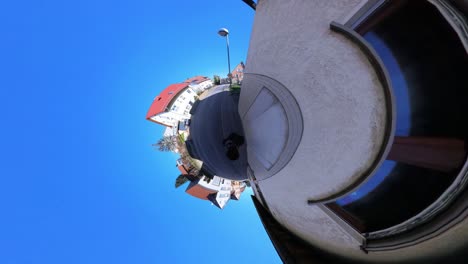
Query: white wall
[[206, 84], [179, 110], [202, 86], [182, 104], [166, 118], [340, 99], [215, 183], [170, 131]]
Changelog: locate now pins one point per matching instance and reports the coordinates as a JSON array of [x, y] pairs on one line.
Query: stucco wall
[[338, 92], [342, 103]]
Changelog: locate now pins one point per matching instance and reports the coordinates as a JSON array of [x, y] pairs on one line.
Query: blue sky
[[80, 181]]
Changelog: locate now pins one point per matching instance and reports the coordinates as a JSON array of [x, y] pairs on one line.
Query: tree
[[167, 143], [216, 80], [181, 180]]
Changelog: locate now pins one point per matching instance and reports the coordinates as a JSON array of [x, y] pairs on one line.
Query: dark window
[[428, 66]]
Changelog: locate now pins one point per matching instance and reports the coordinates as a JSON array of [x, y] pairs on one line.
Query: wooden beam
[[349, 218], [442, 154]]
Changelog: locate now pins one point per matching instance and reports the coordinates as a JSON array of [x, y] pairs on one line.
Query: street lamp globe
[[223, 32]]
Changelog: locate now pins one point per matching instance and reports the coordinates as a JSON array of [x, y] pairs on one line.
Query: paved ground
[[214, 90], [213, 120]]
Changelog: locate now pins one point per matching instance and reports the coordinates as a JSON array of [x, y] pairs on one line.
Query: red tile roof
[[161, 101], [197, 190], [196, 79]]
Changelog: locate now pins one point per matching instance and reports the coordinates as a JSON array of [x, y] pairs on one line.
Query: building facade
[[172, 105], [170, 131], [199, 83], [217, 190], [238, 73], [365, 159], [185, 168]]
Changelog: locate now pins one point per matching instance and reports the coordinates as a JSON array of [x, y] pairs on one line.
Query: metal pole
[[229, 61]]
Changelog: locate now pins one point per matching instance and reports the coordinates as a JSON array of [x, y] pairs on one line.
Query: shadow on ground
[[213, 120]]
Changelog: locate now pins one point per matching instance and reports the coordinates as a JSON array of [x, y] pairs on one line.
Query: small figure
[[232, 143]]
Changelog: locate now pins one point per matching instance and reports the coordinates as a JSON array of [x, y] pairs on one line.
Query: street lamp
[[223, 32]]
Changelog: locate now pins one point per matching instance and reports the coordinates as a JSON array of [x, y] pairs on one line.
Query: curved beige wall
[[342, 103]]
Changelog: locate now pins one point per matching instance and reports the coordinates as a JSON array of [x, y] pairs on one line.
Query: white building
[[170, 131], [172, 105], [217, 190], [199, 83]]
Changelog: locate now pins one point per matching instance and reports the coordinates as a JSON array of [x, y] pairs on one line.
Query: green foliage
[[182, 138], [235, 88], [166, 144], [185, 156], [216, 80]]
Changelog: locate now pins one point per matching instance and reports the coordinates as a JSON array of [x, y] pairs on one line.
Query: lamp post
[[223, 32]]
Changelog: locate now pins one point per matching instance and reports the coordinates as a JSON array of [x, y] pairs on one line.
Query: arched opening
[[427, 64]]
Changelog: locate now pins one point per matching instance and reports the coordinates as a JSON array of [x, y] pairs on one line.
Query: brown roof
[[196, 79], [197, 190]]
